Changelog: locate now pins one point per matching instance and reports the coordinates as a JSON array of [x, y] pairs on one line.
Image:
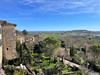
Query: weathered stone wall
[[0, 46], [9, 41]]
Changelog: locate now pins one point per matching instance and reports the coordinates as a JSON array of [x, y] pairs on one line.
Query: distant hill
[[58, 34], [84, 32], [97, 31], [77, 31]]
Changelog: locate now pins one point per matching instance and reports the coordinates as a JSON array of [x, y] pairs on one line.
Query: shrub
[[35, 55], [67, 69], [17, 73], [79, 73], [11, 70], [78, 59], [45, 63], [33, 63]]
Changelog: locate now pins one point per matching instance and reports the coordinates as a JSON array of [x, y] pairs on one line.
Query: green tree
[[21, 53], [79, 73], [72, 51], [18, 46], [95, 50], [24, 32], [49, 45], [27, 55]]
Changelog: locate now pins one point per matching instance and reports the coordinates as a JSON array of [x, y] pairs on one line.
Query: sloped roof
[[6, 23]]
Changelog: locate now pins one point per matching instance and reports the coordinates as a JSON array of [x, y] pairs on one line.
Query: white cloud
[[65, 6]]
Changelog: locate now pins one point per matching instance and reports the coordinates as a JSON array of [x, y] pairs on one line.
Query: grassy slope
[[45, 35]]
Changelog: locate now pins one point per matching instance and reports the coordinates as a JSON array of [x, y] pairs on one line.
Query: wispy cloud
[[64, 6]]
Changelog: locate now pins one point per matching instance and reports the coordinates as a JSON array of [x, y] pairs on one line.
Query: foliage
[[11, 70], [79, 73], [24, 52], [61, 67], [18, 46], [53, 67], [35, 55], [24, 32], [95, 49], [72, 51], [63, 44], [95, 64], [45, 35], [67, 69], [46, 65], [14, 62], [21, 53], [4, 61], [44, 57], [60, 52], [33, 63], [77, 59], [18, 73], [49, 44], [37, 48], [43, 53]]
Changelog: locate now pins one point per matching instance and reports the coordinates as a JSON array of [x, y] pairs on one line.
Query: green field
[[45, 35]]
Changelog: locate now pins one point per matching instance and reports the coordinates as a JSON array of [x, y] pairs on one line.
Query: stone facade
[[0, 45], [7, 41]]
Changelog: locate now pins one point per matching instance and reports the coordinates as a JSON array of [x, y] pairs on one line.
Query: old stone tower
[[7, 40]]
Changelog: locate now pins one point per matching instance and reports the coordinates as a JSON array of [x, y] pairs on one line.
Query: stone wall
[[0, 46], [9, 40]]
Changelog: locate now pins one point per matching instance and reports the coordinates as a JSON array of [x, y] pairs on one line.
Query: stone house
[[20, 38], [7, 41], [29, 39]]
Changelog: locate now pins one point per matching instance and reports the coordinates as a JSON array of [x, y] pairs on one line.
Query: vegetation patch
[[11, 70]]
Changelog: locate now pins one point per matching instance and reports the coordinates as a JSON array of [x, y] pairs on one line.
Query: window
[[7, 48]]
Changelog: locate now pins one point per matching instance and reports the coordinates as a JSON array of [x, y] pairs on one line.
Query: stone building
[[29, 39], [20, 38], [7, 41], [0, 45]]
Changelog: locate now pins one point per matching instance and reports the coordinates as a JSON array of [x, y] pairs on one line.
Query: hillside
[[76, 37], [59, 34]]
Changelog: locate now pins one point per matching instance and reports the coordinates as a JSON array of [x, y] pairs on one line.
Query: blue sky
[[52, 15]]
